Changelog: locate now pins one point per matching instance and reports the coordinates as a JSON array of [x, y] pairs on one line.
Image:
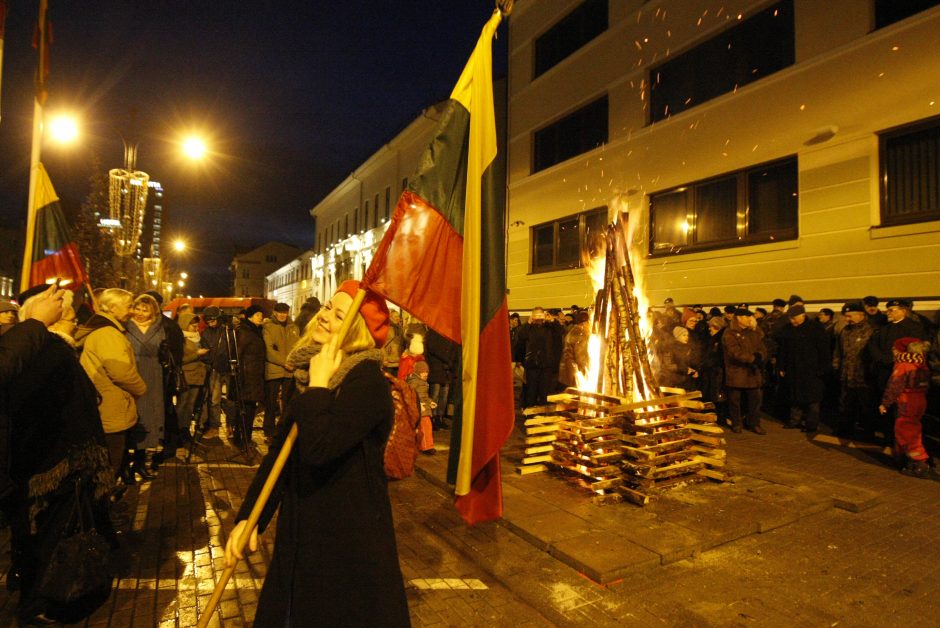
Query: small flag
[[54, 255], [443, 259]]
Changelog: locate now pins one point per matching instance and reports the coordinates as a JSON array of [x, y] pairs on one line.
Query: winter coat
[[850, 358], [805, 359], [534, 346], [152, 404], [881, 346], [675, 360], [251, 360], [442, 356], [213, 339], [335, 560], [574, 354], [108, 359], [421, 388], [279, 339], [18, 346], [393, 346], [739, 346], [712, 375], [194, 366], [557, 332], [406, 364]]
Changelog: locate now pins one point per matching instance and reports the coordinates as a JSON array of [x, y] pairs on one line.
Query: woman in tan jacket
[[108, 359]]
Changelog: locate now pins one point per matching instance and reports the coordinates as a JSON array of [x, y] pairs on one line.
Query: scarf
[[299, 358]]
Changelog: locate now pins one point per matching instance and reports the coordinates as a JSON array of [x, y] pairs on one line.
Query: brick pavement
[[173, 547]]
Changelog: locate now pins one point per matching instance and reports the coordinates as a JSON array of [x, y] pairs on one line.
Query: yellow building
[[761, 148]]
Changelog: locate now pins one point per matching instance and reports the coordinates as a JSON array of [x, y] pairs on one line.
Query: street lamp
[[194, 147], [63, 128], [179, 245]]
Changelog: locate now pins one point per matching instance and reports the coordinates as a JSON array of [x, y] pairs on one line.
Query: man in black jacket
[[803, 361], [534, 350]]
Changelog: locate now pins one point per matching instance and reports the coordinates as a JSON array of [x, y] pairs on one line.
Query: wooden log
[[709, 451], [657, 401], [702, 417], [538, 449], [633, 495], [673, 469], [535, 459], [540, 410], [587, 435], [543, 419], [592, 395], [534, 468], [715, 441], [660, 412], [709, 461], [534, 440], [542, 429], [712, 474], [603, 499], [706, 428]]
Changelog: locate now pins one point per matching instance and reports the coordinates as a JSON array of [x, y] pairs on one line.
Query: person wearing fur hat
[[335, 557], [803, 360], [742, 345], [907, 388], [251, 356]]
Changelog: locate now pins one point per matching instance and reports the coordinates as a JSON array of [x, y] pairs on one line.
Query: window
[[375, 214], [910, 173], [576, 133], [270, 258], [356, 218], [758, 47], [758, 204], [574, 30], [388, 202], [887, 12], [404, 184], [565, 243], [365, 219], [346, 225]]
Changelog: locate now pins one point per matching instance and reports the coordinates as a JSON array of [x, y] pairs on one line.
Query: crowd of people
[[869, 374]]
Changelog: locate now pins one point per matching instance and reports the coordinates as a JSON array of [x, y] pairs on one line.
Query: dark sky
[[292, 96]]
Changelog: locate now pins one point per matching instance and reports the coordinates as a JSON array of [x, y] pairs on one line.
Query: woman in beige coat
[[108, 359]]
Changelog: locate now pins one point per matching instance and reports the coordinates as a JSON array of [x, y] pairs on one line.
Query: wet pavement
[[810, 532]]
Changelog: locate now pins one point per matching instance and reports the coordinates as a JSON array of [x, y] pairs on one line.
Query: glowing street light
[[63, 129], [194, 147], [179, 245], [181, 283], [184, 275]]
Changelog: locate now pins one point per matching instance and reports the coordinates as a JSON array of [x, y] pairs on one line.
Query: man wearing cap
[[802, 362], [8, 312], [856, 402], [671, 313], [744, 354], [280, 336], [876, 317]]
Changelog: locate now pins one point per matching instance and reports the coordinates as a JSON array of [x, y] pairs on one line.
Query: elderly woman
[[148, 339], [108, 359], [59, 445], [335, 559]]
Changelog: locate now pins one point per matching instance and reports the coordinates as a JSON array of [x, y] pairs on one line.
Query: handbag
[[78, 566], [174, 378]]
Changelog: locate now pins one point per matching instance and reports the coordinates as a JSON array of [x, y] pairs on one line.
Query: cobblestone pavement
[[878, 567]]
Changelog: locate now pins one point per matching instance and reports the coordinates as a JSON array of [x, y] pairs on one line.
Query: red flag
[[443, 259]]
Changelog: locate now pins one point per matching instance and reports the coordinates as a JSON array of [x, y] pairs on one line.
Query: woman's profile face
[[331, 317]]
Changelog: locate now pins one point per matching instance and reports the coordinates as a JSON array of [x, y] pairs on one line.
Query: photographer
[[216, 337]]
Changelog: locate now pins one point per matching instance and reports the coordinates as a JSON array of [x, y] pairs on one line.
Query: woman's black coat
[[251, 352], [804, 356], [335, 558]]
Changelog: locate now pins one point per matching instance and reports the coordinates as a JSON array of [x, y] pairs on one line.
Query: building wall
[[847, 77], [250, 269], [293, 283]]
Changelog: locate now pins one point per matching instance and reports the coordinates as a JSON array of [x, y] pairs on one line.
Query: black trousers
[[807, 413], [539, 383], [753, 398], [857, 408], [277, 394]]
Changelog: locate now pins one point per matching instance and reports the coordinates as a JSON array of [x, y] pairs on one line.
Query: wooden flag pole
[[269, 483]]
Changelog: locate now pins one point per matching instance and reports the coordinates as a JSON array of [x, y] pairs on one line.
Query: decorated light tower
[[127, 200]]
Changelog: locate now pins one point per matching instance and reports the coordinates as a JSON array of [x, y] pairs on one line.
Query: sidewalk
[[781, 482]]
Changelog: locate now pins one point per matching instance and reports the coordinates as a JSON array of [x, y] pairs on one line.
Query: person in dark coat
[[53, 406], [307, 311], [744, 353], [251, 355], [335, 559], [442, 356], [219, 339], [534, 351], [803, 361], [676, 368], [856, 401]]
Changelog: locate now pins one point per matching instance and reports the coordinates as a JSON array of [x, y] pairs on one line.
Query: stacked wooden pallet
[[588, 446], [541, 430]]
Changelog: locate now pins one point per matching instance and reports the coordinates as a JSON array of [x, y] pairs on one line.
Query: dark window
[[910, 174], [375, 214], [749, 206], [887, 12], [388, 202], [404, 184], [565, 243], [576, 133], [574, 30], [758, 47], [356, 217]]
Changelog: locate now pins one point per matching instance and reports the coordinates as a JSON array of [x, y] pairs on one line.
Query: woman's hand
[[232, 555], [325, 363]]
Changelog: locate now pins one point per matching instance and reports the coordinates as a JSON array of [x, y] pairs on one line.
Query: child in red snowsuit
[[907, 387]]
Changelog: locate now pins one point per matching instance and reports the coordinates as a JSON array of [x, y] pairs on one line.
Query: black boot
[[140, 465]]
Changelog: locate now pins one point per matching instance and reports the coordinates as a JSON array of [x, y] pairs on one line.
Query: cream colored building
[[292, 283], [760, 148], [353, 217], [250, 269]]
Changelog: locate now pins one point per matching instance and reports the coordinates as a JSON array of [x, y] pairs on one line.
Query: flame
[[587, 380]]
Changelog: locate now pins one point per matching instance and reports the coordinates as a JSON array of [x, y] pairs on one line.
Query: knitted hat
[[687, 314], [795, 311], [794, 299], [678, 332], [252, 310], [901, 344], [717, 322], [373, 310], [421, 367], [9, 306]]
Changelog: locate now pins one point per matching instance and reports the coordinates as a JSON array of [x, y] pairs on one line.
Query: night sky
[[291, 97]]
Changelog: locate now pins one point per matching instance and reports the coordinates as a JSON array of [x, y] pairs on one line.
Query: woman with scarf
[[335, 557], [148, 338]]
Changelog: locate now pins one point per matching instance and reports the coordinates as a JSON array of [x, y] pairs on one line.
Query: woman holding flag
[[335, 558]]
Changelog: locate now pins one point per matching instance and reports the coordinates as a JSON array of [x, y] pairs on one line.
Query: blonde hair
[[112, 296], [151, 303], [358, 338]]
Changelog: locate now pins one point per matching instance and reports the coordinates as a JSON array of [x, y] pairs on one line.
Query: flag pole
[[35, 151], [206, 616]]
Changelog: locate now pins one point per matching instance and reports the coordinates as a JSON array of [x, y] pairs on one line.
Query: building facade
[[250, 269], [292, 283], [759, 148]]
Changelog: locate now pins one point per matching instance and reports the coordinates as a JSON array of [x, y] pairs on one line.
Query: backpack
[[401, 449]]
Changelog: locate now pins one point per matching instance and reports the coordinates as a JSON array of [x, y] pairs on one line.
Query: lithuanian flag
[[443, 259], [54, 255]]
